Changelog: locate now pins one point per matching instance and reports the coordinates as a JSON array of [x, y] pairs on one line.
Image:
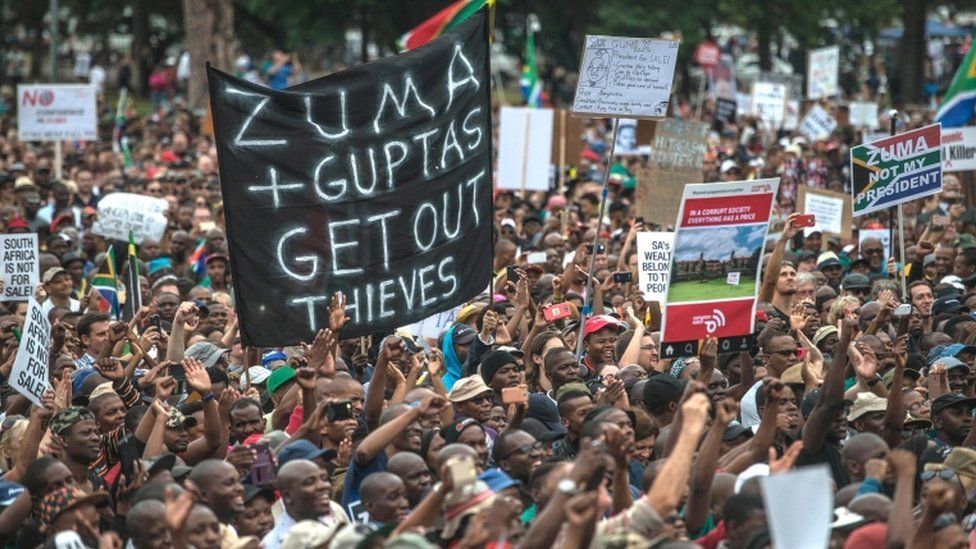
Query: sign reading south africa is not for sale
[[896, 169]]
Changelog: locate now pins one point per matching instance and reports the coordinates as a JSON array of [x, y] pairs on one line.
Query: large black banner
[[375, 182]]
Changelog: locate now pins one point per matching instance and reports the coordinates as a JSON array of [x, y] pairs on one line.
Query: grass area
[[692, 290]]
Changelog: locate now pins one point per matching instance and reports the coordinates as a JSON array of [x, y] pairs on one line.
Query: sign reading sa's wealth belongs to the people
[[625, 77], [375, 182]]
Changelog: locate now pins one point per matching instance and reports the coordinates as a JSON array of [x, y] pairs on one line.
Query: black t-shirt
[[829, 454]]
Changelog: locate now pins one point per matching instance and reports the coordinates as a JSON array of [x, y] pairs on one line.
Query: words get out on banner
[[374, 182]]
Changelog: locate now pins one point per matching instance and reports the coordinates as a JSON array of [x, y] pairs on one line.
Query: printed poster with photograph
[[715, 262]]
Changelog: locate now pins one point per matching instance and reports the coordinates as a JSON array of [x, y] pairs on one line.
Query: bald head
[[874, 507], [294, 471], [859, 449], [452, 450], [146, 525], [402, 463], [375, 485]]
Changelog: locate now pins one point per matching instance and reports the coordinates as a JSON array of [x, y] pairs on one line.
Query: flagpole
[[588, 293], [562, 148], [893, 115]]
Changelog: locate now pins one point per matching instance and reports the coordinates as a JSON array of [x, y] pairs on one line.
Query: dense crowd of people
[[163, 431]]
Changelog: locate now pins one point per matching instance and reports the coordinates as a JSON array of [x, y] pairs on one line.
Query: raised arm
[[390, 350], [832, 393], [383, 436], [771, 273], [198, 380], [665, 493], [700, 498]]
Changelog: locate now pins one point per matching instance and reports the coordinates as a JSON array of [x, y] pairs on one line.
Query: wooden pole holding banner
[[588, 294], [54, 80], [525, 153], [701, 95], [562, 148], [892, 212]]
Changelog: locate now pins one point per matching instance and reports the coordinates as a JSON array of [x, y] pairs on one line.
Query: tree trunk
[[141, 48], [912, 51], [209, 37]]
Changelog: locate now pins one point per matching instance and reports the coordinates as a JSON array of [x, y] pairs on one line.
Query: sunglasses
[[944, 474], [524, 449]]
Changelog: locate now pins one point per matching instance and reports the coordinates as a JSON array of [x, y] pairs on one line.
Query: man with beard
[[779, 279], [826, 425], [305, 489], [412, 470], [399, 431], [779, 352]]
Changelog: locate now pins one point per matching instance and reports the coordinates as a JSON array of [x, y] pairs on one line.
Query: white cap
[[508, 221], [953, 281], [258, 374], [728, 164], [807, 231]]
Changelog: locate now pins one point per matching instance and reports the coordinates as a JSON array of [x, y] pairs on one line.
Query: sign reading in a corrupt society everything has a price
[[29, 375], [896, 169], [56, 112], [625, 77], [119, 213], [20, 268]]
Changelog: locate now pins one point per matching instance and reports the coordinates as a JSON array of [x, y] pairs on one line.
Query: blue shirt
[[356, 474], [279, 80]]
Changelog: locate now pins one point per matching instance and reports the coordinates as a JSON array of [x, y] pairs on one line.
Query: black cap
[[735, 430], [251, 492], [662, 389], [950, 400], [71, 257], [539, 431], [947, 304], [855, 281]]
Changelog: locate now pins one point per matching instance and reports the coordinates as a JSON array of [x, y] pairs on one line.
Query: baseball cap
[[71, 257], [807, 231], [279, 377], [17, 223], [956, 348], [24, 182], [177, 420], [272, 356], [804, 255], [206, 352], [962, 460], [64, 499], [258, 375], [216, 257], [954, 281], [735, 430], [910, 373], [464, 503], [822, 333], [464, 334], [163, 462], [452, 431], [497, 480], [855, 281], [947, 304], [9, 492], [543, 410], [514, 351], [827, 259], [966, 241], [467, 388], [251, 492], [596, 323], [950, 400], [728, 164], [950, 363], [303, 449], [66, 418], [662, 388], [865, 403], [51, 273]]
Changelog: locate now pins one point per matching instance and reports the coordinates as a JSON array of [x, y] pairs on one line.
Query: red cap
[[62, 219], [169, 157], [17, 223], [596, 323], [216, 257]]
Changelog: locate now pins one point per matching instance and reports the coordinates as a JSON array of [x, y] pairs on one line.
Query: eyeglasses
[[523, 449]]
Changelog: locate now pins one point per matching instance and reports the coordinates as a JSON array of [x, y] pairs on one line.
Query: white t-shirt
[[748, 408], [73, 303], [97, 78]]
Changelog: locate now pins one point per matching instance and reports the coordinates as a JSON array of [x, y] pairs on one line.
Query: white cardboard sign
[[119, 213], [29, 375], [56, 112], [20, 270], [524, 164], [822, 72], [654, 264], [817, 124], [864, 114], [768, 102], [959, 149], [828, 210], [625, 77]]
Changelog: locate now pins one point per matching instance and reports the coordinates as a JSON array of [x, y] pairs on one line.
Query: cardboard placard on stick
[[677, 152], [832, 210], [625, 77], [524, 138]]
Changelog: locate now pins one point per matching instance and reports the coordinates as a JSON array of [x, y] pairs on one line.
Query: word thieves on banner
[[29, 375], [718, 242], [374, 182], [625, 77], [896, 169]]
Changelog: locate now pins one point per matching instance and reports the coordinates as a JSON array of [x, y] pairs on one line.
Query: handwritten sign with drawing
[[625, 77], [119, 213]]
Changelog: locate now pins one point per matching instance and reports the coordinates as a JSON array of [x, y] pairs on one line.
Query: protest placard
[[768, 103], [375, 182], [625, 77], [676, 157], [864, 114], [832, 209], [896, 169], [119, 213], [567, 142], [721, 229], [725, 111], [29, 375], [799, 522], [823, 68], [21, 270], [633, 137], [743, 104], [791, 119], [654, 264], [524, 148], [723, 84], [817, 124], [56, 112], [707, 54], [435, 324], [959, 149]]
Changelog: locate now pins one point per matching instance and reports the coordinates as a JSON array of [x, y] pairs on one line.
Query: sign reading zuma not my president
[[374, 182]]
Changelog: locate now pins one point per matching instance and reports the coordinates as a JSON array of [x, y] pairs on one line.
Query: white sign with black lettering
[[524, 148], [119, 213], [29, 375], [959, 149], [864, 114], [626, 77], [20, 272], [654, 264], [827, 210], [768, 102], [433, 325], [817, 124]]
